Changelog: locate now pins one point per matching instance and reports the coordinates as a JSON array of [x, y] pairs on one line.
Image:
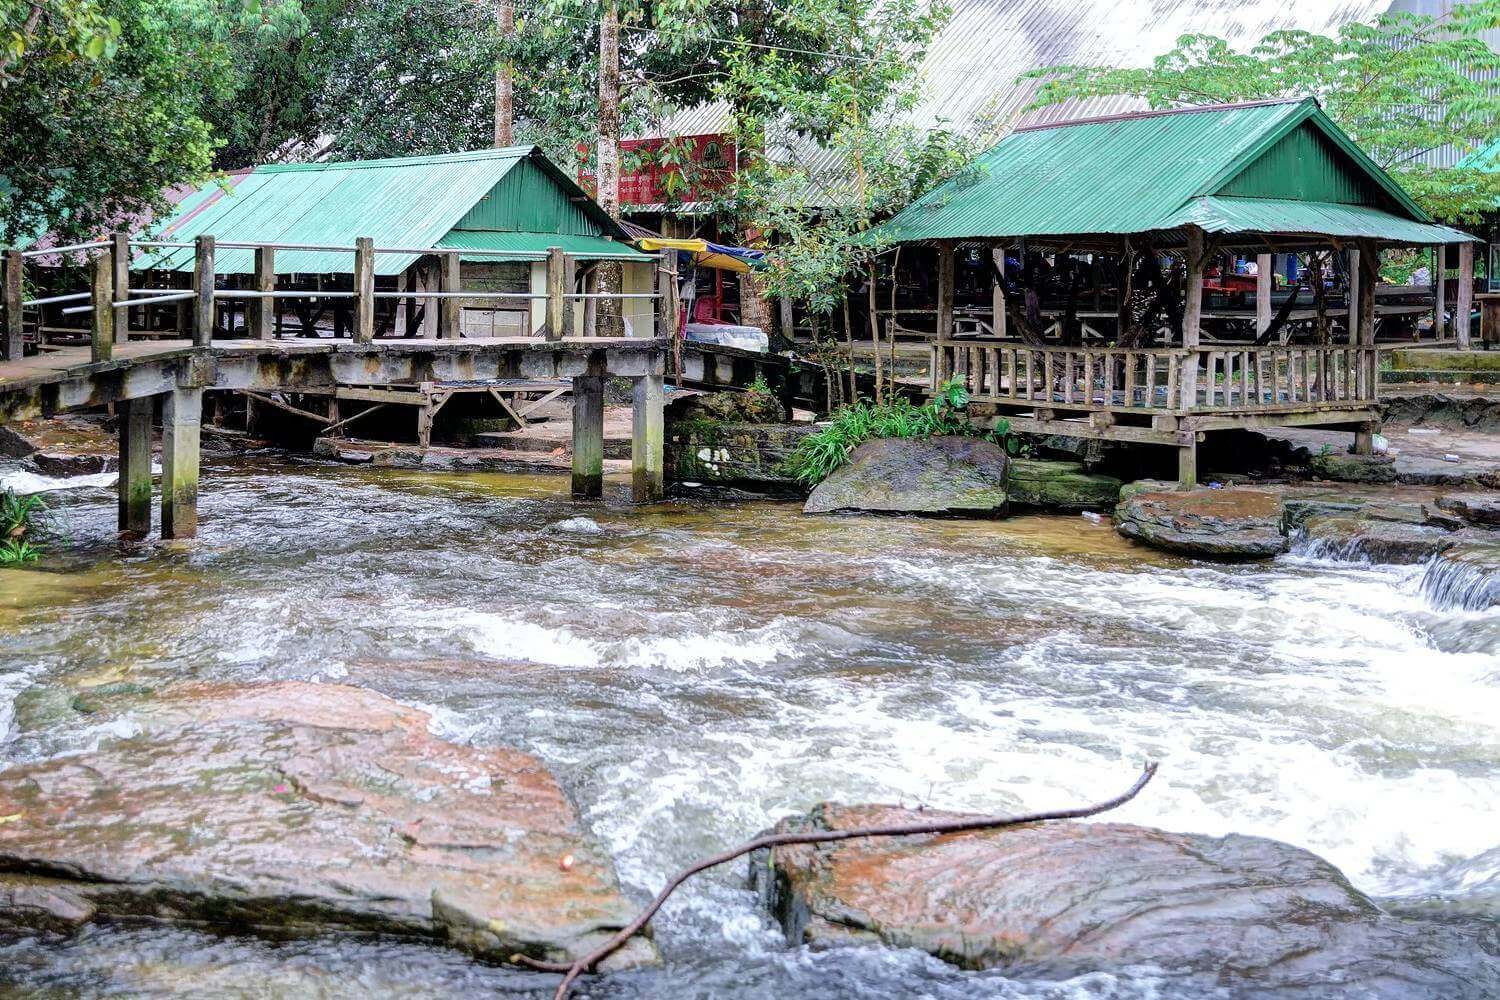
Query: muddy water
[[694, 673]]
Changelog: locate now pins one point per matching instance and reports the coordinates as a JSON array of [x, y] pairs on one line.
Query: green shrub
[[20, 519], [947, 413]]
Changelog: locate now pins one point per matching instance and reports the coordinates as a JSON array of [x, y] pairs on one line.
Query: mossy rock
[[725, 408], [1057, 485]]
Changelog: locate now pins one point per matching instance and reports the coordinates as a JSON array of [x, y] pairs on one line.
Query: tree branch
[[961, 824]]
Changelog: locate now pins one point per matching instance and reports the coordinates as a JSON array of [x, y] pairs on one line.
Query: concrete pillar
[[1187, 465], [135, 466], [1364, 439], [1465, 304], [588, 436], [181, 416], [647, 460]]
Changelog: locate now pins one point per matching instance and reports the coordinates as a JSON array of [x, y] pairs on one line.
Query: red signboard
[[662, 171]]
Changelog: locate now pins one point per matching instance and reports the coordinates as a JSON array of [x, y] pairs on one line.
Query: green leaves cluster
[[20, 519], [1402, 86], [820, 454]]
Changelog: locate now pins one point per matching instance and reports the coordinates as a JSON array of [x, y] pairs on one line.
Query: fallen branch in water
[[963, 824]]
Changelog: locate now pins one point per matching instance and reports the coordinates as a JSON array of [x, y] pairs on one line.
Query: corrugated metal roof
[[533, 246], [1276, 215], [405, 202], [1148, 172]]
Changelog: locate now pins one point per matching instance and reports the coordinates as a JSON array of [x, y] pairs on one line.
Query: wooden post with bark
[[262, 311], [610, 320], [1440, 291], [558, 311], [203, 285], [119, 253], [102, 316], [1265, 280], [11, 343], [364, 289], [450, 306], [1465, 304], [505, 27]]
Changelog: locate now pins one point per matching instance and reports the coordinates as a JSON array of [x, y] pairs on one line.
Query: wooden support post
[[135, 466], [946, 279], [1187, 465], [783, 304], [449, 309], [1364, 439], [1465, 306], [102, 319], [998, 319], [11, 344], [181, 416], [1352, 257], [646, 441], [364, 289], [262, 312], [1192, 313], [119, 254], [203, 284], [666, 298], [1439, 291], [558, 313], [588, 436], [1265, 279]]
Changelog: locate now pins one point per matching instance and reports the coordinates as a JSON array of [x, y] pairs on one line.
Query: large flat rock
[[1054, 485], [944, 476], [295, 808], [1359, 538], [1064, 899], [1215, 524]]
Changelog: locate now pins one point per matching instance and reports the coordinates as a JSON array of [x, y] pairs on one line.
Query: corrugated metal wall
[[528, 201]]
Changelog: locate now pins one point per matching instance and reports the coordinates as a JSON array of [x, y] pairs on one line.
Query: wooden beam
[[450, 310], [1265, 280], [102, 319], [1440, 291], [364, 289], [1352, 258], [289, 408], [1465, 304], [946, 280], [11, 344], [119, 254], [667, 305], [1192, 308], [261, 313], [997, 294], [203, 285], [337, 424]]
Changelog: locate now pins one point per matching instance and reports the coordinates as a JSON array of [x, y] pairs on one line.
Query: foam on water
[[24, 481]]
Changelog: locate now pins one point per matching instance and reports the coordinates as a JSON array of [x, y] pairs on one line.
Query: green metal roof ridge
[[1308, 110], [501, 153]]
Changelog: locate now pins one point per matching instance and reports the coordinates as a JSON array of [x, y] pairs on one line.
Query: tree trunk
[[607, 169], [875, 336], [505, 26]]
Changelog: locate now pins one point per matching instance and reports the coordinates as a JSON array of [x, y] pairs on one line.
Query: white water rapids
[[694, 673]]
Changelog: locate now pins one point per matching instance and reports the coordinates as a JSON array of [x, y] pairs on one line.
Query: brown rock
[[1218, 524], [1361, 538], [297, 807], [1476, 508], [943, 476], [1063, 899]]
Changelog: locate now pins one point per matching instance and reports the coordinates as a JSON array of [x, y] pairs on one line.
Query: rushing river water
[[694, 672]]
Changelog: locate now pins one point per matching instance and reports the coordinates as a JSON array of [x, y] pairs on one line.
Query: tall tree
[[505, 76], [1403, 86]]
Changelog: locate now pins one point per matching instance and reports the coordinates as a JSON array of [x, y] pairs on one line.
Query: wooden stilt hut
[[1134, 267]]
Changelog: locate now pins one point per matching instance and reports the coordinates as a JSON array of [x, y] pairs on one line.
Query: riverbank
[[694, 672]]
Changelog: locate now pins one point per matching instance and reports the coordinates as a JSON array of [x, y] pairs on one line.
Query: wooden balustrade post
[[558, 313], [1465, 306], [450, 308], [11, 344], [364, 289], [102, 318], [203, 285], [262, 311], [119, 255]]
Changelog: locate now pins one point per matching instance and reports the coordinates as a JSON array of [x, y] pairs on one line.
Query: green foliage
[[759, 387], [818, 455], [20, 518], [1401, 86]]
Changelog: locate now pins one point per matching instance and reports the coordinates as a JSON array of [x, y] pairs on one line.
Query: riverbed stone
[[1056, 485], [1215, 524], [1465, 577], [1475, 508], [1345, 468], [944, 476], [294, 808], [1062, 899], [1357, 537]]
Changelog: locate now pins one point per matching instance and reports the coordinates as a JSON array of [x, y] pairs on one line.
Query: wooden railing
[[1159, 381]]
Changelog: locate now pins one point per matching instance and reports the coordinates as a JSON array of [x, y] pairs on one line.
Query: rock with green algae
[[1216, 524], [1345, 468], [1356, 537], [292, 808], [1058, 900], [941, 476], [1058, 485]]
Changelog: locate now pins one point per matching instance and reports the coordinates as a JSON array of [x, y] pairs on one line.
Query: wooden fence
[[1159, 381]]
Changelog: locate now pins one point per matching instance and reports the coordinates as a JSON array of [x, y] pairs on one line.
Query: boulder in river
[[1345, 468], [1053, 485], [1061, 899], [952, 476], [1476, 508], [291, 808], [1215, 524]]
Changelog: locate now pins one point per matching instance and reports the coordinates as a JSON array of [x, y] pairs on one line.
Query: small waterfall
[[1465, 578]]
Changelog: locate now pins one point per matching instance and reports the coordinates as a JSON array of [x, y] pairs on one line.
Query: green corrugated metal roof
[[1279, 215], [407, 202], [1138, 173], [533, 246]]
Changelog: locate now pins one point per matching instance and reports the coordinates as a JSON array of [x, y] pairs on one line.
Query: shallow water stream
[[693, 673]]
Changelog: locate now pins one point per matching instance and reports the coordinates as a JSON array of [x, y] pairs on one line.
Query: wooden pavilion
[[1145, 230]]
